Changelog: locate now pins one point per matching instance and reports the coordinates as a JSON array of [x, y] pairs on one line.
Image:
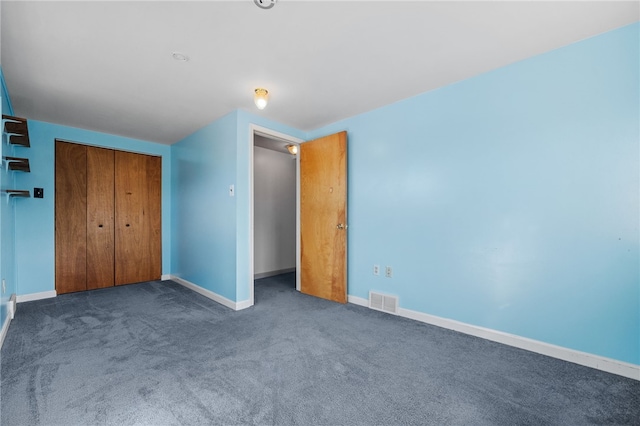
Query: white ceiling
[[108, 66]]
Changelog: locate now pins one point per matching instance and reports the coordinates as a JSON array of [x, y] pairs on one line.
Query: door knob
[[340, 226]]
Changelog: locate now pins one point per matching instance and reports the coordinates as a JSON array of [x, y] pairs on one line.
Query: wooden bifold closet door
[[138, 248], [71, 217], [108, 217], [100, 218]]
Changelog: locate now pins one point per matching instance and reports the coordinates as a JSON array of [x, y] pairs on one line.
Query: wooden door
[[323, 217], [100, 218], [71, 217], [137, 196]]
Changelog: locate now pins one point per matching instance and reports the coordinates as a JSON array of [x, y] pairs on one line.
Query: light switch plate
[[232, 191]]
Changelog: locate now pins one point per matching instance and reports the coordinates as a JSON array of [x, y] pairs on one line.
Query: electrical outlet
[[376, 269], [388, 272]]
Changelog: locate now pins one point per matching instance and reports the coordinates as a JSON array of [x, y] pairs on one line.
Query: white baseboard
[[35, 296], [358, 301], [273, 273], [5, 329], [609, 365], [236, 306], [244, 304], [165, 277], [11, 306]]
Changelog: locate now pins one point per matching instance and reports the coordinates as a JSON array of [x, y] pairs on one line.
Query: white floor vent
[[383, 302]]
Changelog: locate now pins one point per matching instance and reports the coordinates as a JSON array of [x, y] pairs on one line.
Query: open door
[[323, 217]]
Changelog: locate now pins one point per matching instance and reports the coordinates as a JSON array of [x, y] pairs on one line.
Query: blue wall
[[204, 215], [509, 200], [34, 246], [210, 228]]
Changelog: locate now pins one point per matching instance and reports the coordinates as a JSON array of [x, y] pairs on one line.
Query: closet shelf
[[18, 164], [16, 129]]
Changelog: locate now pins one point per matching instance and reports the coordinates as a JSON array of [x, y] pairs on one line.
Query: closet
[[108, 217]]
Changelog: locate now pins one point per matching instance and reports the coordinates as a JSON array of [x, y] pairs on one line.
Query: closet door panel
[[70, 217], [154, 216], [137, 250], [100, 218]]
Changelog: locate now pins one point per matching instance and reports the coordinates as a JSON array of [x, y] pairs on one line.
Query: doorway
[[274, 185], [320, 206]]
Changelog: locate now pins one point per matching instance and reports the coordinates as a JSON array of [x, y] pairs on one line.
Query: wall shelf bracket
[[16, 130], [22, 193], [17, 164]]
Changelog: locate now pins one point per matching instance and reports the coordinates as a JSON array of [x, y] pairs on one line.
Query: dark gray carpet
[[160, 354]]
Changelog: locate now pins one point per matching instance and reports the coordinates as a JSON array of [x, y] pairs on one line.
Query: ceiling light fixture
[[261, 97], [265, 4], [180, 56], [293, 149]]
